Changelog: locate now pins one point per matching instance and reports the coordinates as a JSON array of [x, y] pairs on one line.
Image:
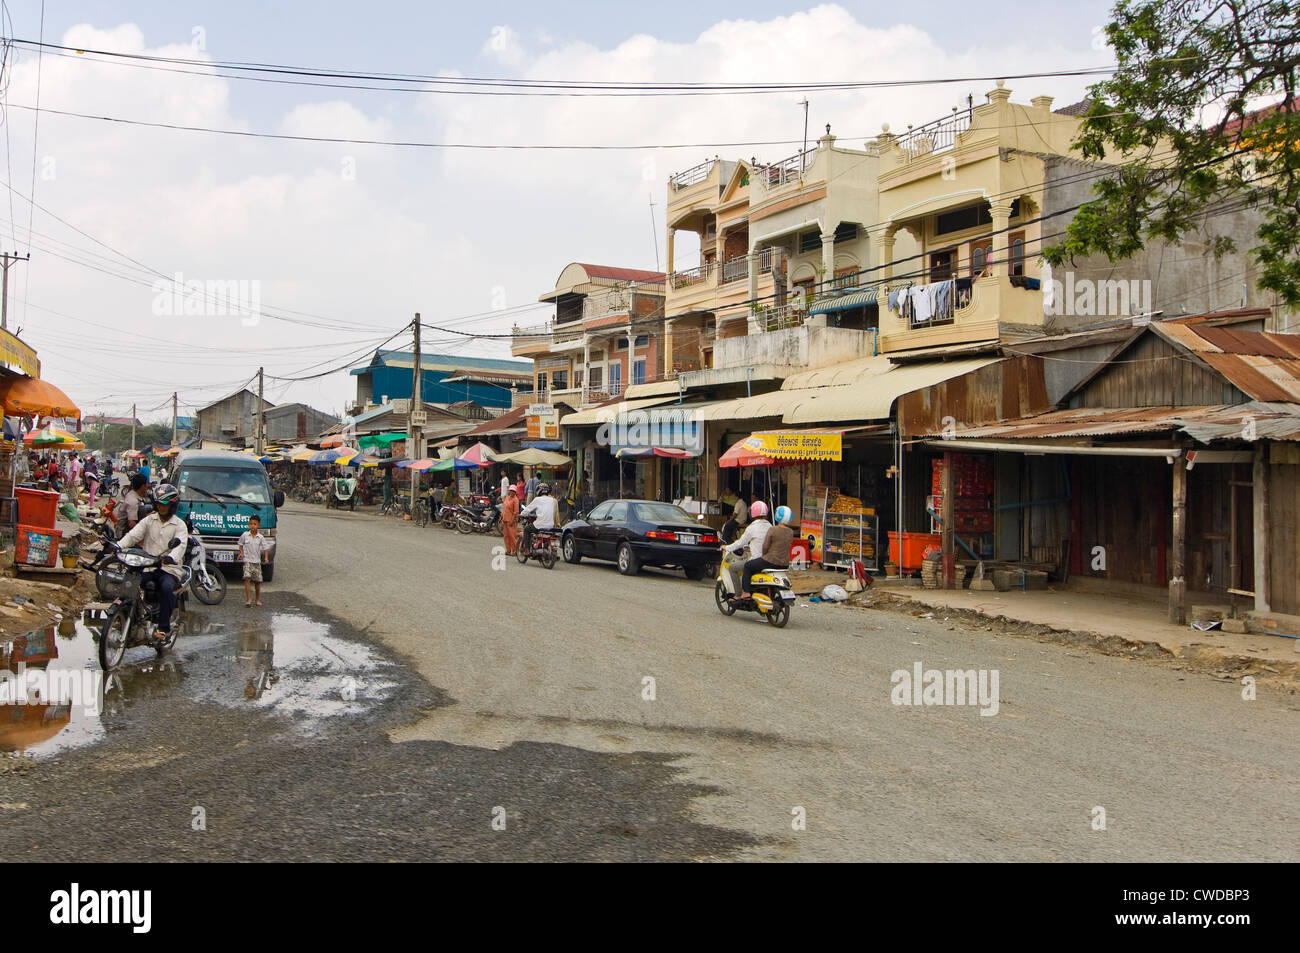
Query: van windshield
[[226, 485]]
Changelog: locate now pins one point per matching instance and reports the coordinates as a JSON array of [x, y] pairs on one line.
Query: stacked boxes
[[972, 480]]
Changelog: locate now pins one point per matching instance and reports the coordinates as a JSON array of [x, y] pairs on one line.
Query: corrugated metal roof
[[1267, 421], [850, 299], [1262, 365], [607, 412]]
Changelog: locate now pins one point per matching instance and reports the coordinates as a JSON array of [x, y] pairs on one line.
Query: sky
[[335, 246]]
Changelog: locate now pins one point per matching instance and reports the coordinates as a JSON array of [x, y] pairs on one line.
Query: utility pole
[[259, 443], [174, 434], [804, 103], [654, 238], [133, 426], [417, 417], [8, 259]]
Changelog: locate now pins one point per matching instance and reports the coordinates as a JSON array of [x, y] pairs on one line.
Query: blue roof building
[[444, 379]]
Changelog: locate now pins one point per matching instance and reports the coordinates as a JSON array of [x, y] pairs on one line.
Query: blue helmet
[[783, 515]]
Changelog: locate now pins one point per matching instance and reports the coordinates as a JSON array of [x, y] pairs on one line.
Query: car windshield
[[662, 513], [203, 483]]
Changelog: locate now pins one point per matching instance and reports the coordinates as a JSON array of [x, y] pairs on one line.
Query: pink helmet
[[757, 509]]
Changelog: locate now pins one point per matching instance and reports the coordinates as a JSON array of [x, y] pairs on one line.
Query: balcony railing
[[775, 319], [936, 136], [691, 176], [678, 280], [786, 170], [737, 269]]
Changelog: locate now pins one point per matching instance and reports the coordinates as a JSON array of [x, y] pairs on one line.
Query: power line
[[469, 85]]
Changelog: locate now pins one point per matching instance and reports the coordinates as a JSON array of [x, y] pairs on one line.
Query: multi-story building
[[606, 335]]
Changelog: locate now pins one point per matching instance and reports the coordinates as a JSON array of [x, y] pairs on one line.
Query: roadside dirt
[[1274, 674]]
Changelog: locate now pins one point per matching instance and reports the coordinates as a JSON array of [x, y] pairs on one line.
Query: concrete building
[[230, 420], [444, 379], [296, 423]]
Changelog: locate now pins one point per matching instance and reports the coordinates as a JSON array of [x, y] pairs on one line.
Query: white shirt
[[505, 485], [544, 507], [151, 534], [753, 537], [254, 546]]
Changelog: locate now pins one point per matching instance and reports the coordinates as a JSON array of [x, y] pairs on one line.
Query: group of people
[[72, 470]]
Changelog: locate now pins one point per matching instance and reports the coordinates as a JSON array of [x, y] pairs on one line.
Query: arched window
[[1017, 254]]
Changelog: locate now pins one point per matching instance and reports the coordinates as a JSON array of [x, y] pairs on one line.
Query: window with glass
[[638, 372]]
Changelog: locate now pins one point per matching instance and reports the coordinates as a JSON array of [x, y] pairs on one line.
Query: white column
[[672, 235], [1001, 215], [885, 254], [586, 367], [828, 256]]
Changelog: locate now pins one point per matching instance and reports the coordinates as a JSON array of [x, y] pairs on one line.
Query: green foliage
[[114, 438], [1182, 120]]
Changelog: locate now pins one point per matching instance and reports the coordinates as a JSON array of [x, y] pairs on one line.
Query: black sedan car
[[636, 533]]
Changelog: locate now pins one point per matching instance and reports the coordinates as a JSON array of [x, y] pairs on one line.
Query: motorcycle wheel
[[720, 597], [448, 522], [780, 613], [521, 554], [548, 558], [464, 525], [214, 592], [114, 632]]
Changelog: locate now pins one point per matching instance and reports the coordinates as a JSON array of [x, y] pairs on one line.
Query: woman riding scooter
[[769, 546]]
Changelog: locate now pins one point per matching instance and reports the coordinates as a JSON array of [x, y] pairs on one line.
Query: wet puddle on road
[[54, 696]]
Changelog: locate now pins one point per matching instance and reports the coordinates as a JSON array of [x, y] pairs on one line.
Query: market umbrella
[[302, 456], [453, 463], [49, 437], [21, 396], [672, 452], [424, 463], [340, 455], [382, 439], [741, 456], [480, 454], [366, 460], [532, 457], [335, 441]]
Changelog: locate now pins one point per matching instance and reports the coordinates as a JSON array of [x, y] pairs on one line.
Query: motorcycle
[[447, 514], [207, 581], [545, 546], [771, 595], [132, 618], [481, 515], [343, 492]]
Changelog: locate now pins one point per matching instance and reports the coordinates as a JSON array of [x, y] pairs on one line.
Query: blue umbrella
[[333, 455], [454, 463]]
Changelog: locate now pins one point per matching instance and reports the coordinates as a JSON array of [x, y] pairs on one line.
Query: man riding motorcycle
[[543, 505], [152, 534]]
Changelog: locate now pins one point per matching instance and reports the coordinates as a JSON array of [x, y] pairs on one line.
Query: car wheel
[[570, 548], [628, 564], [268, 572], [694, 573]]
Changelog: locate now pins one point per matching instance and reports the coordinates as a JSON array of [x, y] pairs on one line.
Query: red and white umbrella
[[480, 454]]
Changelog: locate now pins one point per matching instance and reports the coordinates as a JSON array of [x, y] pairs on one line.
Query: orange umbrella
[[28, 395], [335, 441]]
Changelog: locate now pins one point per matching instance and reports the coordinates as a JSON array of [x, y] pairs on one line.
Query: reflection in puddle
[[296, 667], [53, 695]]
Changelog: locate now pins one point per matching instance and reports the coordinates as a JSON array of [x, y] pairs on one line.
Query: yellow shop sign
[[798, 444]]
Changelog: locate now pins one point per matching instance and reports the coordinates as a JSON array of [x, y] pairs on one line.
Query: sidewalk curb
[[1280, 674]]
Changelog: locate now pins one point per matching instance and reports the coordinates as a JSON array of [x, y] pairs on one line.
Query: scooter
[[771, 595]]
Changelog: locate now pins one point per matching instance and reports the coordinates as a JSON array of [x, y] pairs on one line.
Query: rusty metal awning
[[1249, 422]]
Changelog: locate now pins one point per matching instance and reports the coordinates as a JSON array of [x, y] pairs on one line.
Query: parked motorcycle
[[132, 618], [207, 581], [545, 546], [771, 595], [481, 515]]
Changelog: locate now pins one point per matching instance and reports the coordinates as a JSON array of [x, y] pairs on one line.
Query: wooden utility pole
[[133, 426], [174, 433], [1178, 550], [259, 442], [8, 259], [417, 417]]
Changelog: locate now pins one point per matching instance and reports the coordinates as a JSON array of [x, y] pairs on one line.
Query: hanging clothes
[[921, 305]]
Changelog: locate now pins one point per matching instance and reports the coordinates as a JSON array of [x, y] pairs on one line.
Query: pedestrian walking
[[252, 553], [510, 520], [519, 484], [530, 488], [505, 484]]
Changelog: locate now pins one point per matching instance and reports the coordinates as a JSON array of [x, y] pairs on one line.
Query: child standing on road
[[252, 553]]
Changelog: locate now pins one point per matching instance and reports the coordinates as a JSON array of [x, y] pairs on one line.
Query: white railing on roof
[[691, 176], [790, 169], [938, 135]]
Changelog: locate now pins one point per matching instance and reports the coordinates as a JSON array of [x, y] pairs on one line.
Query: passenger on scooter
[[769, 546], [543, 505], [152, 534], [129, 514]]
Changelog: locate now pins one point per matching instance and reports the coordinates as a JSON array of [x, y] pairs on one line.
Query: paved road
[[521, 689]]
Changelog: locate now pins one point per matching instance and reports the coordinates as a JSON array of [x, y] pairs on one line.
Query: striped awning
[[851, 299]]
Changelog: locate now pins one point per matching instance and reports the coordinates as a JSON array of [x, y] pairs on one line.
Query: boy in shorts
[[252, 553]]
